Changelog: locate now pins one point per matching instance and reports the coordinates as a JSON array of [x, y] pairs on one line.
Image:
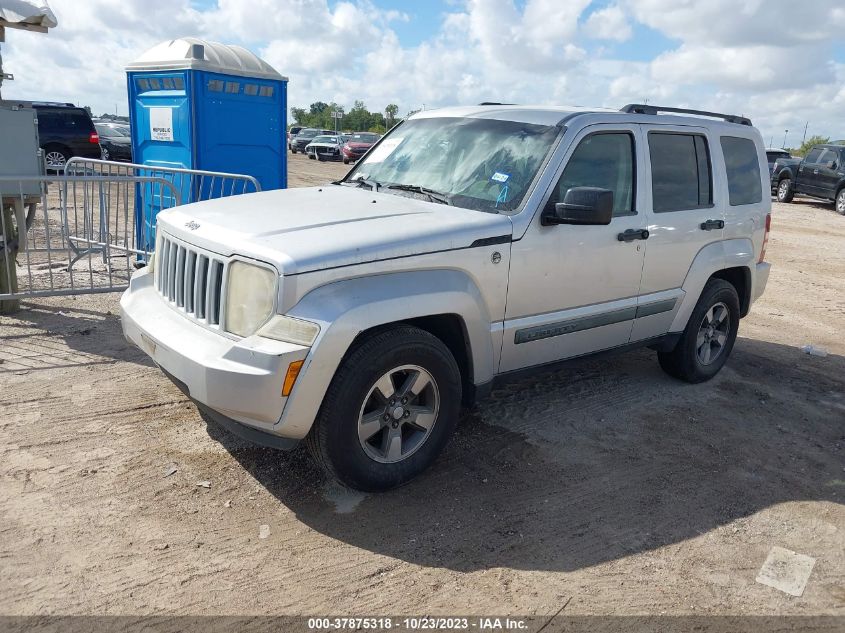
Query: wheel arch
[[740, 278], [445, 303], [730, 260]]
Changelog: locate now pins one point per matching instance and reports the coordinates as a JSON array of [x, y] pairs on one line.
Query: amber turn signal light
[[291, 376]]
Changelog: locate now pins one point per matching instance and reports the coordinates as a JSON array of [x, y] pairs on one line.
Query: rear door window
[[681, 177], [743, 170]]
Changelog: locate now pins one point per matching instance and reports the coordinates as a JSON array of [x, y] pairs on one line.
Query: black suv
[[64, 131]]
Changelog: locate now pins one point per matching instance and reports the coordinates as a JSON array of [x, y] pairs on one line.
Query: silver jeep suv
[[467, 244]]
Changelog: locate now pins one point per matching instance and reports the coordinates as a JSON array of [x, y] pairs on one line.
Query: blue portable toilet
[[204, 105]]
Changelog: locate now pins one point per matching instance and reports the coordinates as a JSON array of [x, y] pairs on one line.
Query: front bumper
[[240, 379]]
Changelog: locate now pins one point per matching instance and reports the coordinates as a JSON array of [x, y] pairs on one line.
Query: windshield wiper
[[365, 182], [433, 195]]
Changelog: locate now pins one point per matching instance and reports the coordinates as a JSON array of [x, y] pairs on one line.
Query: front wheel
[[389, 411], [293, 150], [840, 202], [709, 337], [345, 161], [785, 193]]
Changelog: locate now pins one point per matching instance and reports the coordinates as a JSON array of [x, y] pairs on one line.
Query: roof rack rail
[[641, 108], [494, 103]]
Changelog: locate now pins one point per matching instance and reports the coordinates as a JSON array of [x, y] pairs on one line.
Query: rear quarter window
[[743, 170]]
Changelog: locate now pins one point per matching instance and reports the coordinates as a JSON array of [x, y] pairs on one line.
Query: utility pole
[[785, 132], [805, 132]]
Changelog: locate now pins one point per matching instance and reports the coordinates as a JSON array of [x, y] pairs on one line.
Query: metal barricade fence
[[88, 230], [193, 185], [64, 235]]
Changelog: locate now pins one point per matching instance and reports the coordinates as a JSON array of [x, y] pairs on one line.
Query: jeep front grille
[[191, 280]]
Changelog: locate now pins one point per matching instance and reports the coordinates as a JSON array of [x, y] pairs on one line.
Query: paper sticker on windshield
[[384, 149], [500, 177]]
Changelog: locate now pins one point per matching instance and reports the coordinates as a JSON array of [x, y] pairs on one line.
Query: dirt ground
[[606, 484]]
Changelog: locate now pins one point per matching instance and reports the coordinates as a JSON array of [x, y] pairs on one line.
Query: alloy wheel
[[713, 333], [55, 160], [398, 414]]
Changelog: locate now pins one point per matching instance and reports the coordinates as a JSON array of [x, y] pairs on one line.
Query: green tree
[[807, 145], [390, 113], [299, 115], [318, 107]]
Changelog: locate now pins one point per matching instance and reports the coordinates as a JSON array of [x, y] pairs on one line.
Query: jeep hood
[[315, 228]]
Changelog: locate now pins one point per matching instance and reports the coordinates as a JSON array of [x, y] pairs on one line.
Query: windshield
[[480, 164], [325, 139], [308, 133]]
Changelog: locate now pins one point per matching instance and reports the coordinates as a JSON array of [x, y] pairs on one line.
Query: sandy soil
[[606, 484]]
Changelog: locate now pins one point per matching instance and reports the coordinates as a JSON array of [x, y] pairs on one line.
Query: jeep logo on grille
[[192, 226]]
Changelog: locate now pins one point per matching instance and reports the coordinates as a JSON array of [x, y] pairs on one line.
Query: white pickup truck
[[468, 244]]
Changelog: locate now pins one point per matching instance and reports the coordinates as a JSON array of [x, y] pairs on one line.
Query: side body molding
[[346, 308], [709, 260]]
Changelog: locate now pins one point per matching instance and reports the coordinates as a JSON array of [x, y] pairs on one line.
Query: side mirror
[[581, 205]]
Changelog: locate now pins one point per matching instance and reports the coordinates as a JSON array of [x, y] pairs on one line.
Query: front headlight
[[250, 297]]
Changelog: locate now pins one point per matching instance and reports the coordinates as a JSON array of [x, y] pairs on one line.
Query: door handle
[[709, 225], [633, 234], [815, 172]]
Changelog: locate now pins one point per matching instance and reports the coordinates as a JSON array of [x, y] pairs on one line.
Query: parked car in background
[[305, 136], [471, 243], [115, 141], [821, 174], [773, 154], [325, 147], [357, 145], [292, 133], [64, 131]]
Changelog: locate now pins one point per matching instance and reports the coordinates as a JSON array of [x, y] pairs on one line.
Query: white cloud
[[752, 57], [609, 23]]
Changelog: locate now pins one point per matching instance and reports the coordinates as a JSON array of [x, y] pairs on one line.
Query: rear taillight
[[765, 238], [93, 137]]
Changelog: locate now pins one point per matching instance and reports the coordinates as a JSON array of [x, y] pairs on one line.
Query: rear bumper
[[761, 278], [241, 380]]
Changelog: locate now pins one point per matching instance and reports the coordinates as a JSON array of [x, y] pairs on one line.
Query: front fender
[[346, 308], [709, 260]]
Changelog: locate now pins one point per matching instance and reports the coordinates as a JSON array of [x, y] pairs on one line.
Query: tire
[[785, 192], [690, 360], [840, 201], [345, 161], [105, 153], [370, 459], [56, 157], [293, 150], [310, 156]]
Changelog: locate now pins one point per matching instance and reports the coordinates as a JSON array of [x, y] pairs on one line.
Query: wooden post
[[8, 266]]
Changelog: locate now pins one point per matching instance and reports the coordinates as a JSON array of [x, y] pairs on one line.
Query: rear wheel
[[293, 150], [56, 158], [709, 337], [345, 161], [785, 193], [840, 201], [389, 411]]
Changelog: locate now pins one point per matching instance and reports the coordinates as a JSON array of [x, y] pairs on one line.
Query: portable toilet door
[[204, 105]]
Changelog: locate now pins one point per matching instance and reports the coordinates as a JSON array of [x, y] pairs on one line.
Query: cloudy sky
[[781, 62]]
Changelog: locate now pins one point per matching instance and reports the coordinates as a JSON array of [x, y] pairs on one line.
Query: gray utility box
[[19, 152]]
